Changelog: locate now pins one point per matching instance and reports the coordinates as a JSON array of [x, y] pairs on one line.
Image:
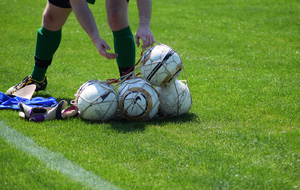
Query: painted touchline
[[54, 161]]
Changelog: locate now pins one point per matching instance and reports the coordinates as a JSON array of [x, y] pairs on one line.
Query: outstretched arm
[[87, 21], [144, 32]]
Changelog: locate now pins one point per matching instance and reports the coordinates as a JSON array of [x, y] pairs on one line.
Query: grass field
[[242, 62]]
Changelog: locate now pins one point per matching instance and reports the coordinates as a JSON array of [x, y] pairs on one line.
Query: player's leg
[[49, 36], [48, 40], [117, 17]]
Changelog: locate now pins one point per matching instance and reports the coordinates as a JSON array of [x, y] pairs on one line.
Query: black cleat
[[40, 85]]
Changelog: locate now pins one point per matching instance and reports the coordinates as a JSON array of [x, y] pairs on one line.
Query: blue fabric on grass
[[7, 102]]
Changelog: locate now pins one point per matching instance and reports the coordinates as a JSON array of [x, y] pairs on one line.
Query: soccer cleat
[[40, 85], [25, 92]]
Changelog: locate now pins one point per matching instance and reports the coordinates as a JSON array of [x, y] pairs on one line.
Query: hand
[[102, 47], [145, 34]]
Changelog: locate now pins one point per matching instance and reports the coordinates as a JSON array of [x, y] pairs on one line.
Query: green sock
[[47, 43], [40, 69], [38, 73], [125, 48]]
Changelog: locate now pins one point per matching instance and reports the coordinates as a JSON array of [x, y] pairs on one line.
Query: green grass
[[242, 63], [20, 171]]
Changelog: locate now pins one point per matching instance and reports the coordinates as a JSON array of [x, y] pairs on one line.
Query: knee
[[53, 20], [48, 18], [117, 21]]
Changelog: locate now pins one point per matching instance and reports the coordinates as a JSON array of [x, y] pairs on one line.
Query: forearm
[[145, 8], [87, 21], [144, 32], [85, 18]]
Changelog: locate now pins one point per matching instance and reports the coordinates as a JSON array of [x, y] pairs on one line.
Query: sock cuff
[[45, 31], [123, 32]]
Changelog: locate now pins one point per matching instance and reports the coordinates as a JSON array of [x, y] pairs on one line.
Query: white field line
[[54, 161]]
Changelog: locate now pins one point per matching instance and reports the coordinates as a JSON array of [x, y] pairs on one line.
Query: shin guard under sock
[[47, 43], [125, 48]]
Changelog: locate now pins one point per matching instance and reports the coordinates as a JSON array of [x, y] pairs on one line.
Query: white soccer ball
[[176, 99], [161, 65], [138, 100], [97, 101]]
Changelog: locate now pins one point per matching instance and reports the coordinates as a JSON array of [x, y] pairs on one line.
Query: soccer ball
[[97, 101], [161, 65], [138, 100], [81, 88], [176, 99]]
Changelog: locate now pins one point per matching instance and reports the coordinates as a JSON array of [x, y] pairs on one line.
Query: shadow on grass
[[122, 125], [125, 126], [58, 99]]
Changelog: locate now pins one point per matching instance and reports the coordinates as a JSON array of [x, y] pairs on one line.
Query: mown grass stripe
[[54, 161]]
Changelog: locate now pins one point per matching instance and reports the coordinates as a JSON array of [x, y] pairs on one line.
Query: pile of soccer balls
[[156, 94]]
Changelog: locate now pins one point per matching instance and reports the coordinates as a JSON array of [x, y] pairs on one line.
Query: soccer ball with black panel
[[138, 100], [161, 65]]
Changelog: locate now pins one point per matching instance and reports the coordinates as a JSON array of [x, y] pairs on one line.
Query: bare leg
[[117, 14], [55, 17]]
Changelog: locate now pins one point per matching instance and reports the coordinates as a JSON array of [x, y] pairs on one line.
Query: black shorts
[[66, 3]]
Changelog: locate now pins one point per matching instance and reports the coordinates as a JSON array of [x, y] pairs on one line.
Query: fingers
[[147, 39], [147, 42], [106, 46], [103, 50], [137, 40], [108, 55]]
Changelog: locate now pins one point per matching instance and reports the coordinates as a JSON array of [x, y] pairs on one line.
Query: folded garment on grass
[[7, 102]]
